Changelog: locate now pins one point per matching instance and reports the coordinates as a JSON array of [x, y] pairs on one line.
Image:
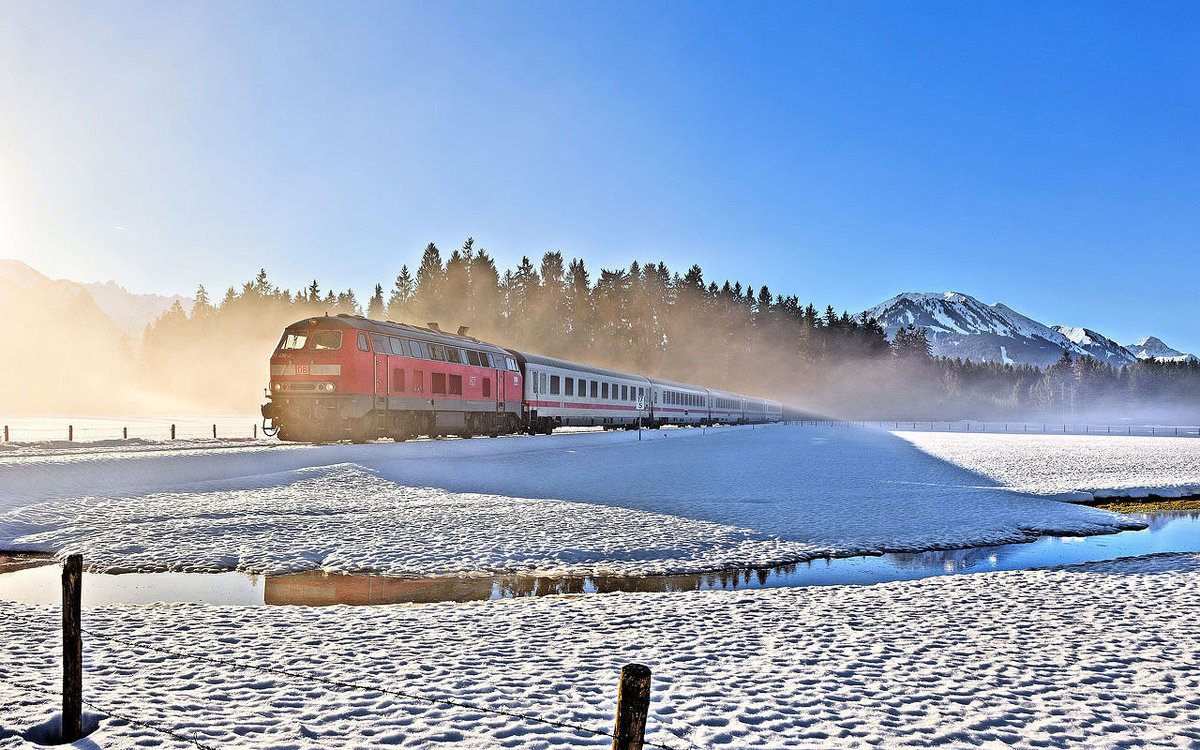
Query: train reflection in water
[[317, 588]]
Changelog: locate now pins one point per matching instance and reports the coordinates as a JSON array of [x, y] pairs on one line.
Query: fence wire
[[328, 681], [367, 688], [100, 709]]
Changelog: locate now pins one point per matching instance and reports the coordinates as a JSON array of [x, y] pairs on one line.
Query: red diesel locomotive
[[348, 377]]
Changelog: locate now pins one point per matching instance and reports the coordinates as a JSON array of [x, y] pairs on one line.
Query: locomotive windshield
[[322, 340], [327, 340], [293, 340]]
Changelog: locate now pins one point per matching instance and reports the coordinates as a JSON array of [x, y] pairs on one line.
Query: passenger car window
[[570, 389], [593, 385], [553, 385], [604, 390]]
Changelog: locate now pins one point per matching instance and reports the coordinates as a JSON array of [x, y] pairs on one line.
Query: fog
[[65, 357]]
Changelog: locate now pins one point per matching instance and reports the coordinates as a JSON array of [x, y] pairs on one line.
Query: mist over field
[[648, 319]]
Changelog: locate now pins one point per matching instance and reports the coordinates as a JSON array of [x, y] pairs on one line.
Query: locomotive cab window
[[362, 342], [473, 358], [512, 364], [380, 344], [437, 352], [452, 356], [397, 345], [293, 340], [327, 340]]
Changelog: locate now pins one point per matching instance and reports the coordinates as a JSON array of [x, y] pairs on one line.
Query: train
[[347, 377]]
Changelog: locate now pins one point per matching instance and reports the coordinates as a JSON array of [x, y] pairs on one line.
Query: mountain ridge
[[959, 325]]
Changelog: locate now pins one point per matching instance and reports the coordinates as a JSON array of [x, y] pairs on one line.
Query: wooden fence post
[[172, 432], [125, 433], [255, 432], [214, 432], [6, 433], [70, 433], [72, 587], [633, 704]]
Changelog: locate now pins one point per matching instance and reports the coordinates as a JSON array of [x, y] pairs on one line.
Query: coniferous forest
[[651, 319]]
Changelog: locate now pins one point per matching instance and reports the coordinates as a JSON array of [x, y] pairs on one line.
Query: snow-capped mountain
[[1152, 347], [132, 312], [1098, 345], [959, 325], [129, 312]]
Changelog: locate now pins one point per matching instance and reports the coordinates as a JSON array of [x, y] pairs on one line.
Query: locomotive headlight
[[277, 387], [327, 387]]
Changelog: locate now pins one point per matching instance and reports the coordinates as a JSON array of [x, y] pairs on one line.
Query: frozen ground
[[1098, 656], [677, 501], [1081, 466]]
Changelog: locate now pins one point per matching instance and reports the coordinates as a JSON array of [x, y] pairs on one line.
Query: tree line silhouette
[[649, 319]]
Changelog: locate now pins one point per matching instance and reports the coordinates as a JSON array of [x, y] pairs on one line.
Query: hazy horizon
[[1040, 155]]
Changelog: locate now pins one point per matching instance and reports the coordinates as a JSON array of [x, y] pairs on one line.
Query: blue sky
[[1046, 155]]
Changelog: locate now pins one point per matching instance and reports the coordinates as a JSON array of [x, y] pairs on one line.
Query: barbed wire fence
[[1030, 428], [628, 734]]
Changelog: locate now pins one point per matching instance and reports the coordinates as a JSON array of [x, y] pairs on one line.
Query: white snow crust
[[1097, 656], [677, 501], [1075, 467]]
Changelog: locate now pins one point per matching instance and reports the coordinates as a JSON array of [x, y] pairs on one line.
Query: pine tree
[[427, 300], [202, 309], [401, 296], [375, 306]]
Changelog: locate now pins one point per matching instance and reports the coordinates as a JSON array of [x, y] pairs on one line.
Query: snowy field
[[1099, 656], [676, 501], [1077, 466]]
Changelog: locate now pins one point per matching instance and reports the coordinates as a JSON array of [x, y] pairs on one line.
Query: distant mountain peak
[[959, 325], [1152, 347]]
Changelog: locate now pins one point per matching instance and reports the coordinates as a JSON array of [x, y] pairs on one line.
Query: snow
[[1098, 656], [676, 501], [1078, 467]]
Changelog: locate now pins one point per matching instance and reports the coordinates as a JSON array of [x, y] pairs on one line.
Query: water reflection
[[1166, 532]]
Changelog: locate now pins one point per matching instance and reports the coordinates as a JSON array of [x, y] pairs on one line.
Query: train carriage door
[[381, 376], [501, 390]]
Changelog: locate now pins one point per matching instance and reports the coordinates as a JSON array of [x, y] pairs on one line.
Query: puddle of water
[[1167, 532]]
